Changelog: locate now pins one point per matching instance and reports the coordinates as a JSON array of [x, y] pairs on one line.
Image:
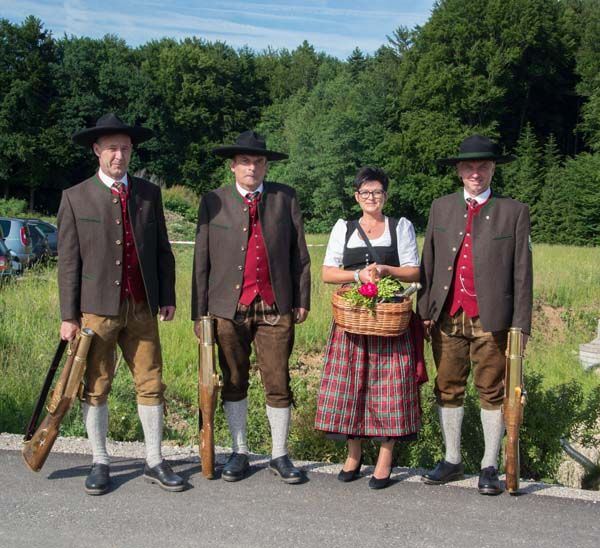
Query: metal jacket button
[[118, 242], [118, 221], [115, 201], [117, 262], [240, 267], [245, 229], [117, 282], [237, 286]]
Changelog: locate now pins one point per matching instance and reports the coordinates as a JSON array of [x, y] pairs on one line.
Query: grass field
[[567, 305]]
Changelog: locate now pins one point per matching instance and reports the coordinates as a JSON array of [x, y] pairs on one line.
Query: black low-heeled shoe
[[350, 475], [380, 483]]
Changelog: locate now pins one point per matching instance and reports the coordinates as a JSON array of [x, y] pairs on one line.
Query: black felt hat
[[109, 124], [478, 147], [249, 142]]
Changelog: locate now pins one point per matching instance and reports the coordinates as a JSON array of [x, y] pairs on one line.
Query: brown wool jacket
[[501, 260], [220, 252], [90, 248]]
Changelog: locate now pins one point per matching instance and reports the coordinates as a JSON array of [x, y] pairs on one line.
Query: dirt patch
[[309, 363], [549, 323]]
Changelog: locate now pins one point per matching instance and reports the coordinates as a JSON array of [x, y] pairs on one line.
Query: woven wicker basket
[[387, 320]]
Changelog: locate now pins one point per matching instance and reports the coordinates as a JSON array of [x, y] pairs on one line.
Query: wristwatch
[[357, 276]]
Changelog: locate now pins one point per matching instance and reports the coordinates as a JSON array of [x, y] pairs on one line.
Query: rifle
[[512, 407], [39, 443], [208, 388], [31, 427]]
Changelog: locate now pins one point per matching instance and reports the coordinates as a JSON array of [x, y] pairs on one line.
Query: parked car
[[39, 242], [51, 233], [6, 264], [18, 239]]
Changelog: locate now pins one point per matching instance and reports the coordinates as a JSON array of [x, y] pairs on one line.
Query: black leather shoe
[[443, 473], [283, 467], [98, 480], [350, 475], [380, 483], [489, 484], [164, 476], [236, 467]]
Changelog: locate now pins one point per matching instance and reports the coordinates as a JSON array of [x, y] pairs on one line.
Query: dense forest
[[525, 72]]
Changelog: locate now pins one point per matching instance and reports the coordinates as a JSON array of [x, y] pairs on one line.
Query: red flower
[[368, 290]]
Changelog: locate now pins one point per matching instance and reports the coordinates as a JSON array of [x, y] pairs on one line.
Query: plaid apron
[[368, 387]]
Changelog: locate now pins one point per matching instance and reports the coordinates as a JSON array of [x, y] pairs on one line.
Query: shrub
[[550, 413], [12, 207], [182, 200]]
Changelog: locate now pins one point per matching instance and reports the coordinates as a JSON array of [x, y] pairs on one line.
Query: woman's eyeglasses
[[376, 194]]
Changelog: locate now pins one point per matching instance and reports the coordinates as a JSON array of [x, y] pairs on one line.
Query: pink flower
[[368, 290]]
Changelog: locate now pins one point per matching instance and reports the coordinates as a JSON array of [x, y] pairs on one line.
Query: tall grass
[[567, 303]]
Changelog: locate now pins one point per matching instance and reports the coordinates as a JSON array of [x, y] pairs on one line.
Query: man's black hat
[[478, 147], [110, 124], [251, 143]]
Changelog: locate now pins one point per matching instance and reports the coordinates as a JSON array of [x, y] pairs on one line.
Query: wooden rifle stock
[[208, 389], [36, 450], [512, 407]]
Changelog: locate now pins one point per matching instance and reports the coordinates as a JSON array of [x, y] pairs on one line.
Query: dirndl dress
[[369, 387]]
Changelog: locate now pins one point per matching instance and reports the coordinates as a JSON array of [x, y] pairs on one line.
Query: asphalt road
[[50, 509]]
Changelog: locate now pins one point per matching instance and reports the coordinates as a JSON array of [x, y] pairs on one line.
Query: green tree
[[92, 77], [486, 62], [197, 95], [585, 21], [356, 62], [523, 179], [548, 210], [572, 193], [27, 134]]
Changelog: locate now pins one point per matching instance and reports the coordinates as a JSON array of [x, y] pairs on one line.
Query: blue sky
[[334, 27]]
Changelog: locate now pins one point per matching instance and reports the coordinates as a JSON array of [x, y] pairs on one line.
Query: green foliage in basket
[[387, 289]]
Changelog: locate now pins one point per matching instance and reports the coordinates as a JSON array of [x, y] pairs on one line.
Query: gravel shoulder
[[189, 454]]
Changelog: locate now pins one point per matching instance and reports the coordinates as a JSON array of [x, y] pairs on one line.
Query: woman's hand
[[384, 270], [370, 274]]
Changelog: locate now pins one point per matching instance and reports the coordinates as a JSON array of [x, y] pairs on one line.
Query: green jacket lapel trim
[[488, 204], [236, 194], [97, 180]]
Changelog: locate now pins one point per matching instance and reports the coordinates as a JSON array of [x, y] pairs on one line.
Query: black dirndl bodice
[[356, 258]]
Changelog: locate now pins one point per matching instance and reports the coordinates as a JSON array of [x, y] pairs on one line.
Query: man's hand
[[69, 329], [427, 326], [300, 314], [166, 313]]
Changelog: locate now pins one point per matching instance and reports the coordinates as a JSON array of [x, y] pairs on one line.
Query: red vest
[[463, 283], [132, 283], [257, 280]]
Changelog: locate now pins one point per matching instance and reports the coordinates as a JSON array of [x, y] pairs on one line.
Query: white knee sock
[[493, 431], [151, 417], [279, 419], [95, 418], [237, 413], [451, 422]]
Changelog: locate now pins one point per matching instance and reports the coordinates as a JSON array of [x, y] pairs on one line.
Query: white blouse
[[408, 252]]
